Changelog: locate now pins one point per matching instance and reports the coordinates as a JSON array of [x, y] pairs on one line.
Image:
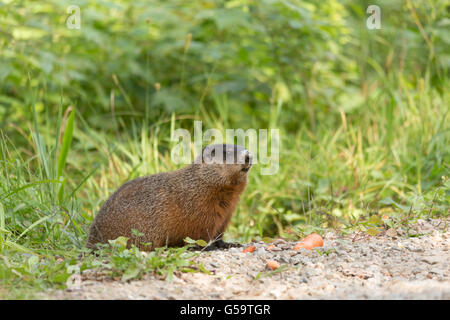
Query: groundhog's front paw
[[216, 245], [220, 244]]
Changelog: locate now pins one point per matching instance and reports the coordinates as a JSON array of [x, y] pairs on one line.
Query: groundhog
[[196, 201]]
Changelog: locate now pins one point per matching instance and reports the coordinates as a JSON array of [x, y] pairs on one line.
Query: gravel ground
[[386, 266]]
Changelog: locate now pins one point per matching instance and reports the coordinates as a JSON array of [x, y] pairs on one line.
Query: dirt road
[[359, 266]]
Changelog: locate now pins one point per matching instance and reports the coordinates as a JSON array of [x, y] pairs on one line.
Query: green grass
[[363, 118]]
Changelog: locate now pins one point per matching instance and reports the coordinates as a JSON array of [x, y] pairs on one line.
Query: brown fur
[[196, 201]]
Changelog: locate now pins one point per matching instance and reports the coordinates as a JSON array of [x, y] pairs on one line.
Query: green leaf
[[169, 275], [62, 277], [137, 233], [375, 220], [119, 242], [27, 33], [189, 240], [33, 261], [130, 273], [201, 243], [44, 218], [373, 231], [61, 191], [203, 269], [67, 140]]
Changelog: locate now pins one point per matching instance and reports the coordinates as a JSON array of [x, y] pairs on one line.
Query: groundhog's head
[[228, 163]]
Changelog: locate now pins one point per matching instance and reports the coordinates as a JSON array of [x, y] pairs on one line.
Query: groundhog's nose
[[248, 157]]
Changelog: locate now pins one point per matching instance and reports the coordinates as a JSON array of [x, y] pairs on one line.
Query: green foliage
[[312, 57], [363, 117], [43, 271], [200, 242], [128, 264]]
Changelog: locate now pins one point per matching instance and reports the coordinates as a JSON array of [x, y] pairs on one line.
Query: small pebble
[[276, 249], [278, 241]]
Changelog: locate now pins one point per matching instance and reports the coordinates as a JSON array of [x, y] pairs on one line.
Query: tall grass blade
[[67, 140]]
